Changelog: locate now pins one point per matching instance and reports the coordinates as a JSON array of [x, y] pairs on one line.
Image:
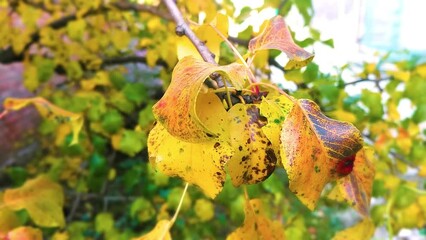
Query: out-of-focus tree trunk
[[17, 128]]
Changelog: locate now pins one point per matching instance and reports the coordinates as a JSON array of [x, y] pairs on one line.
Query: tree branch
[[366, 80], [182, 28]]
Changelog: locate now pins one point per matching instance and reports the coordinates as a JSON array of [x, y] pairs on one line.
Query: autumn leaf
[[207, 34], [361, 230], [202, 164], [25, 233], [275, 109], [8, 220], [356, 187], [180, 108], [47, 110], [256, 225], [313, 148], [42, 198], [160, 232], [254, 159], [277, 36]]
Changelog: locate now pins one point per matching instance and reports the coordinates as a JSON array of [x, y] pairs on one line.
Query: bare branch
[[366, 80], [182, 28]]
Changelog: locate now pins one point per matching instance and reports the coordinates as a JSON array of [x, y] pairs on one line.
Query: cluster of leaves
[[246, 129]]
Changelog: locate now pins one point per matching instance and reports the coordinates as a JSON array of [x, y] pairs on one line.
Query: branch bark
[[182, 28]]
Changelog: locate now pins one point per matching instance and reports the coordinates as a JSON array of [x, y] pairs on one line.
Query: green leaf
[[311, 73], [135, 92], [112, 121], [104, 222], [373, 101], [132, 142]]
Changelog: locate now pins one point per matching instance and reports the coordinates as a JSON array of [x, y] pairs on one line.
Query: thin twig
[[182, 28], [366, 80]]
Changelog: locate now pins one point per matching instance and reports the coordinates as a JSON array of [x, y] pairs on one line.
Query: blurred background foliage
[[112, 60]]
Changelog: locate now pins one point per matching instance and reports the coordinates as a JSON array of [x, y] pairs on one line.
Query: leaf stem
[[252, 78], [180, 204]]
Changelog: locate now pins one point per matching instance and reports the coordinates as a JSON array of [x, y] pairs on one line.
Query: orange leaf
[[202, 164], [357, 186], [314, 145], [25, 233], [42, 198], [179, 109], [254, 159], [277, 36]]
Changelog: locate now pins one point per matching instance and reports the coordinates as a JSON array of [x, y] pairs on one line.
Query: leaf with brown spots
[[357, 186], [180, 108], [277, 36], [202, 164], [313, 145], [275, 109], [256, 225], [254, 159]]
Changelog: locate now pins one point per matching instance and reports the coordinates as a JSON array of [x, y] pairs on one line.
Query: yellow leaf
[[151, 57], [356, 187], [404, 141], [100, 79], [179, 110], [254, 159], [120, 39], [207, 34], [295, 76], [186, 48], [400, 75], [31, 81], [362, 230], [160, 232], [421, 70], [335, 194], [8, 221], [25, 233], [261, 59], [48, 110], [60, 236], [277, 36], [202, 164], [343, 115], [275, 109], [316, 150], [256, 225], [42, 198], [204, 209], [76, 29]]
